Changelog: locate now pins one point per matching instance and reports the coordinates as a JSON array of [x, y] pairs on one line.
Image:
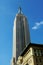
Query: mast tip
[[19, 10]]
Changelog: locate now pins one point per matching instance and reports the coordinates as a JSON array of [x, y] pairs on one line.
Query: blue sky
[[33, 9]]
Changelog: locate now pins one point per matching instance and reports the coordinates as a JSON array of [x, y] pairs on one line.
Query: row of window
[[39, 60], [38, 52]]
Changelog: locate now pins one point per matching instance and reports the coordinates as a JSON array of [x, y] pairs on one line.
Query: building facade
[[31, 55], [21, 35]]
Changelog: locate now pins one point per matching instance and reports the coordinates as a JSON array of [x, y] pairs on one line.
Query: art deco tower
[[21, 35]]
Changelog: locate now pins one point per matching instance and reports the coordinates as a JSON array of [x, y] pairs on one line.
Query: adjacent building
[[31, 55]]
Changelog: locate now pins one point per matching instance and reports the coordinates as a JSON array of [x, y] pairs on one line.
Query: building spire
[[19, 10]]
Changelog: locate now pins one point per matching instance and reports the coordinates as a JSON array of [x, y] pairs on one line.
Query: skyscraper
[[21, 35]]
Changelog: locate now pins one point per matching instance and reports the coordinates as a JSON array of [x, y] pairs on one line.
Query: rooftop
[[28, 46]]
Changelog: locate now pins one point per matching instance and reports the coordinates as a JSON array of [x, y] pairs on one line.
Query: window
[[34, 50], [36, 60], [42, 52], [38, 52], [39, 59]]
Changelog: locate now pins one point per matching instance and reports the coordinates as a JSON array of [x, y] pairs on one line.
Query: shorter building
[[31, 55]]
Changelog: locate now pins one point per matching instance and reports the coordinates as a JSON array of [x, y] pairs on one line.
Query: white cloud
[[34, 27], [37, 25], [41, 22]]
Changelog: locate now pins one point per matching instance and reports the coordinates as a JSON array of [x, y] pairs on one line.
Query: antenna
[[19, 10], [19, 6]]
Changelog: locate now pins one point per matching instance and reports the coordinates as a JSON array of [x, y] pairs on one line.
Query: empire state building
[[21, 35]]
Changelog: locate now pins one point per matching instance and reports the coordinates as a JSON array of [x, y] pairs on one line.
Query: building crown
[[19, 10]]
